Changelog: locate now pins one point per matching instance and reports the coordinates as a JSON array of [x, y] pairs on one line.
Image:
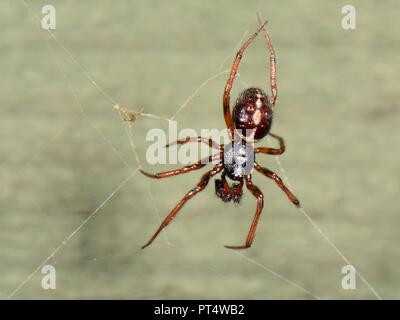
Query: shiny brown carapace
[[250, 120]]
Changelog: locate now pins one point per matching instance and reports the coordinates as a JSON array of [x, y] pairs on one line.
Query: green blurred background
[[338, 109]]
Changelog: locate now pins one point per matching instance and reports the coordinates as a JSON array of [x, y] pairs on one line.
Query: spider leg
[[274, 151], [272, 175], [260, 204], [229, 83], [171, 173], [272, 62], [200, 187], [208, 141]]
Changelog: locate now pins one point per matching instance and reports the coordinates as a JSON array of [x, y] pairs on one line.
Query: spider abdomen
[[252, 114], [238, 159]]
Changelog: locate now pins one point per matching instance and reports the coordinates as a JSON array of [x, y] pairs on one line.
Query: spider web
[[129, 128]]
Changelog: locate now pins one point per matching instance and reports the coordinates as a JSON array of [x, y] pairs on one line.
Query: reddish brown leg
[[171, 173], [186, 169], [260, 204], [207, 141], [274, 151], [272, 62], [229, 83], [200, 187], [272, 175]]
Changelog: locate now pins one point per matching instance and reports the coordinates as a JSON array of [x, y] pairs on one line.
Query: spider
[[250, 120]]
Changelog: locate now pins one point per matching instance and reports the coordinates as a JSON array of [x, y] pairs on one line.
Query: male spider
[[253, 113]]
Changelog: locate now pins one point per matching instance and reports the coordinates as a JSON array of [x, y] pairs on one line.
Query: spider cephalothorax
[[252, 113], [238, 160], [250, 120]]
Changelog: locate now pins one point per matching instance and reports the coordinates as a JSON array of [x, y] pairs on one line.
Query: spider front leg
[[200, 187], [274, 151], [260, 204], [272, 175]]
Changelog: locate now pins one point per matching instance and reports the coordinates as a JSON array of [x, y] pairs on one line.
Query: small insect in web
[[130, 116], [250, 120]]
